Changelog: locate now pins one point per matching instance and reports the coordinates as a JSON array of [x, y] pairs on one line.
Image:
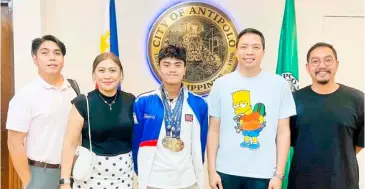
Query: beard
[[323, 82]]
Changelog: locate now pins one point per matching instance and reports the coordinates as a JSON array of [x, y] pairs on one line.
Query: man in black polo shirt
[[328, 130]]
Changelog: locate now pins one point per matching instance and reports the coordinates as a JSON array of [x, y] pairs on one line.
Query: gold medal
[[174, 144], [166, 141], [179, 145], [170, 144]]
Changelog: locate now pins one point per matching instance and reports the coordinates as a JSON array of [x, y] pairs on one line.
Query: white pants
[[114, 172]]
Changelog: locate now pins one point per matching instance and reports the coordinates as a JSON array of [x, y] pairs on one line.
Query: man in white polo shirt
[[38, 115]]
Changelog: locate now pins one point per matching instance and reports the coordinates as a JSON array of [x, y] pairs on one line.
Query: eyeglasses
[[327, 61]]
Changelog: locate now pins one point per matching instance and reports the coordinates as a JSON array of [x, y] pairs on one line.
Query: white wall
[[79, 24], [27, 23]]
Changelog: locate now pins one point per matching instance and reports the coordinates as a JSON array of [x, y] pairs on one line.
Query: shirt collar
[[46, 85]]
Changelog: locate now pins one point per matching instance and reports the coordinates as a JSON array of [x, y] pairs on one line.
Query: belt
[[42, 164]]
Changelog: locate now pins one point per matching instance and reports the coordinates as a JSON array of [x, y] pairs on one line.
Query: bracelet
[[279, 176]]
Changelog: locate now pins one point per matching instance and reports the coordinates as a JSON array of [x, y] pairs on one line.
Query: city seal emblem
[[208, 35]]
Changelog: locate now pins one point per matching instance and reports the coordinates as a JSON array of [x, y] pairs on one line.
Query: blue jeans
[[238, 182]]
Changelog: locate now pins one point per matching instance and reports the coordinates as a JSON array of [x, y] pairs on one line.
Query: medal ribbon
[[172, 117]]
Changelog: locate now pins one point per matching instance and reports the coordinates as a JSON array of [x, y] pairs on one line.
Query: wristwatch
[[65, 181], [280, 176]]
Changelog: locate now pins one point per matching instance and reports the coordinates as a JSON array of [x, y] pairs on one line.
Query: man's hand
[[18, 155], [275, 183], [215, 181], [26, 183]]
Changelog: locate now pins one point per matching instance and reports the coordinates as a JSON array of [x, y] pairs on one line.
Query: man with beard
[[328, 130]]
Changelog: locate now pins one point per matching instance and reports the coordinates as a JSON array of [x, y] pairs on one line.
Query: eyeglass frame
[[324, 61]]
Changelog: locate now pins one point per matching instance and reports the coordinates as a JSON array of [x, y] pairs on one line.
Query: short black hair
[[321, 44], [253, 31], [172, 51], [37, 42]]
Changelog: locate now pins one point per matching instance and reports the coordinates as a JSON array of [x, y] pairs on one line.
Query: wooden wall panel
[[9, 178]]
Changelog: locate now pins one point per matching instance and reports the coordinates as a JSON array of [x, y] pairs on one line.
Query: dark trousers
[[237, 182]]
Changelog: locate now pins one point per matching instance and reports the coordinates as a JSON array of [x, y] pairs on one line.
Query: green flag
[[287, 65]]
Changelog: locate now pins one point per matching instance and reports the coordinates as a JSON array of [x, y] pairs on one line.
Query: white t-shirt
[[41, 111], [174, 170], [249, 109]]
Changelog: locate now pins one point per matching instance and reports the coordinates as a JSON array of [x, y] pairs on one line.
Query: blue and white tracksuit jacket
[[149, 118]]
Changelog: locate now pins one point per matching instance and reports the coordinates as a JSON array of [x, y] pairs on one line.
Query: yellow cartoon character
[[249, 121]]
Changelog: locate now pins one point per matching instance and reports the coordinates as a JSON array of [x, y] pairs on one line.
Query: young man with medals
[[170, 131]]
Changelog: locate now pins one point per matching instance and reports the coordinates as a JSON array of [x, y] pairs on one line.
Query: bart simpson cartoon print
[[250, 122]]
